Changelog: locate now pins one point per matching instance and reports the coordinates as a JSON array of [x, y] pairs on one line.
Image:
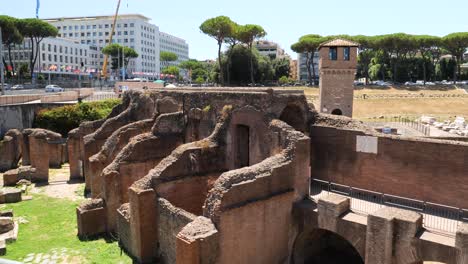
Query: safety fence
[[436, 217]]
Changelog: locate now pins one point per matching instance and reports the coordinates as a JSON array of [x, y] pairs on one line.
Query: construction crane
[[106, 57]]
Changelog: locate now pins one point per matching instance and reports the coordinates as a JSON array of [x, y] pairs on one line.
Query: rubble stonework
[[10, 150], [223, 175]]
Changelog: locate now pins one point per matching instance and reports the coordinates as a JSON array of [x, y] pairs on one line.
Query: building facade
[[302, 73], [170, 43], [57, 55], [338, 64], [269, 49], [132, 30]]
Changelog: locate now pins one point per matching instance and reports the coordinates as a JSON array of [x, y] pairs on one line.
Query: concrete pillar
[[198, 243], [39, 155], [330, 208], [143, 224], [461, 243], [74, 154]]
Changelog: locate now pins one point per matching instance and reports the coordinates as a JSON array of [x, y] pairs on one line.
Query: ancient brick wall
[[428, 170]]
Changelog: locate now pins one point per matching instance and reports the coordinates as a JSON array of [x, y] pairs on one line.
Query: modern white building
[[57, 55], [132, 30], [174, 44]]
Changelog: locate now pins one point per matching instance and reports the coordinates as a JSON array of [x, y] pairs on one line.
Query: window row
[[100, 26], [63, 49]]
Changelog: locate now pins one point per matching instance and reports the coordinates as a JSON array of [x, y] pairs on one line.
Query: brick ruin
[[38, 150], [223, 175], [193, 160]]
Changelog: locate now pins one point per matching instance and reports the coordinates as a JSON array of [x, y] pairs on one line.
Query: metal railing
[[100, 97], [436, 217]]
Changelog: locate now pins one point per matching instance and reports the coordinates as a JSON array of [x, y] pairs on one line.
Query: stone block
[[6, 213], [10, 196], [2, 248], [91, 222], [6, 224], [330, 208], [10, 178]]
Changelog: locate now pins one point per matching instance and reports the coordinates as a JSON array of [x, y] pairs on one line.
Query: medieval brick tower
[[338, 62]]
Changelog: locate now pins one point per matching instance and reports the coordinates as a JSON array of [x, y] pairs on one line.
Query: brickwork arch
[[320, 246]]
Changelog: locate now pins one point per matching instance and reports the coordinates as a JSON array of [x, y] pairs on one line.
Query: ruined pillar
[[143, 224], [198, 243], [10, 150], [461, 243], [301, 165], [112, 194], [39, 155], [390, 237], [330, 208], [74, 157]]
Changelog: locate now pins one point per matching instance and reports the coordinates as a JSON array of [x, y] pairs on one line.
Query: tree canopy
[[400, 56], [121, 55], [167, 56], [218, 28]]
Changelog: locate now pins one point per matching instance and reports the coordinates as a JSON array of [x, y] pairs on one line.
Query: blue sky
[[284, 21]]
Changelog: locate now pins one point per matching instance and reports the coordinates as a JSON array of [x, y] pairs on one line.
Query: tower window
[[346, 52], [333, 53]]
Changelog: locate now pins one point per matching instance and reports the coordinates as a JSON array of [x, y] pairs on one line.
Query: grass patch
[[438, 107], [52, 225]]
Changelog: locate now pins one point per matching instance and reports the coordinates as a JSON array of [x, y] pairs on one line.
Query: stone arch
[[293, 115], [320, 246], [337, 112]]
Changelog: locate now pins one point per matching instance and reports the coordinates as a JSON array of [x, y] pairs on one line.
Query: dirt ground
[[59, 185]]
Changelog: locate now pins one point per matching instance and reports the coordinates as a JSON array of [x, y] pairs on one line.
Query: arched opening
[[337, 112], [324, 247], [294, 117], [243, 146]]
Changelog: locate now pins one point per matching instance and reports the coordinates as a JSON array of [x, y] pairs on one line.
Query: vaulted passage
[[324, 247]]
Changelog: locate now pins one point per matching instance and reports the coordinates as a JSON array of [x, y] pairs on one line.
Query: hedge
[[65, 118]]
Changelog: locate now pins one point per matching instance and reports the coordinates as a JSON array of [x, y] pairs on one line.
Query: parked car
[[17, 87], [53, 88], [6, 86]]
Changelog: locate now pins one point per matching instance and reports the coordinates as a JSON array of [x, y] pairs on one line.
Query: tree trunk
[[251, 66], [424, 70], [314, 77], [455, 70], [309, 74], [228, 67], [9, 58], [221, 74], [31, 59]]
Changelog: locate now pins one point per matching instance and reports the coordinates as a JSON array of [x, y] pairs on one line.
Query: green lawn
[[51, 230]]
